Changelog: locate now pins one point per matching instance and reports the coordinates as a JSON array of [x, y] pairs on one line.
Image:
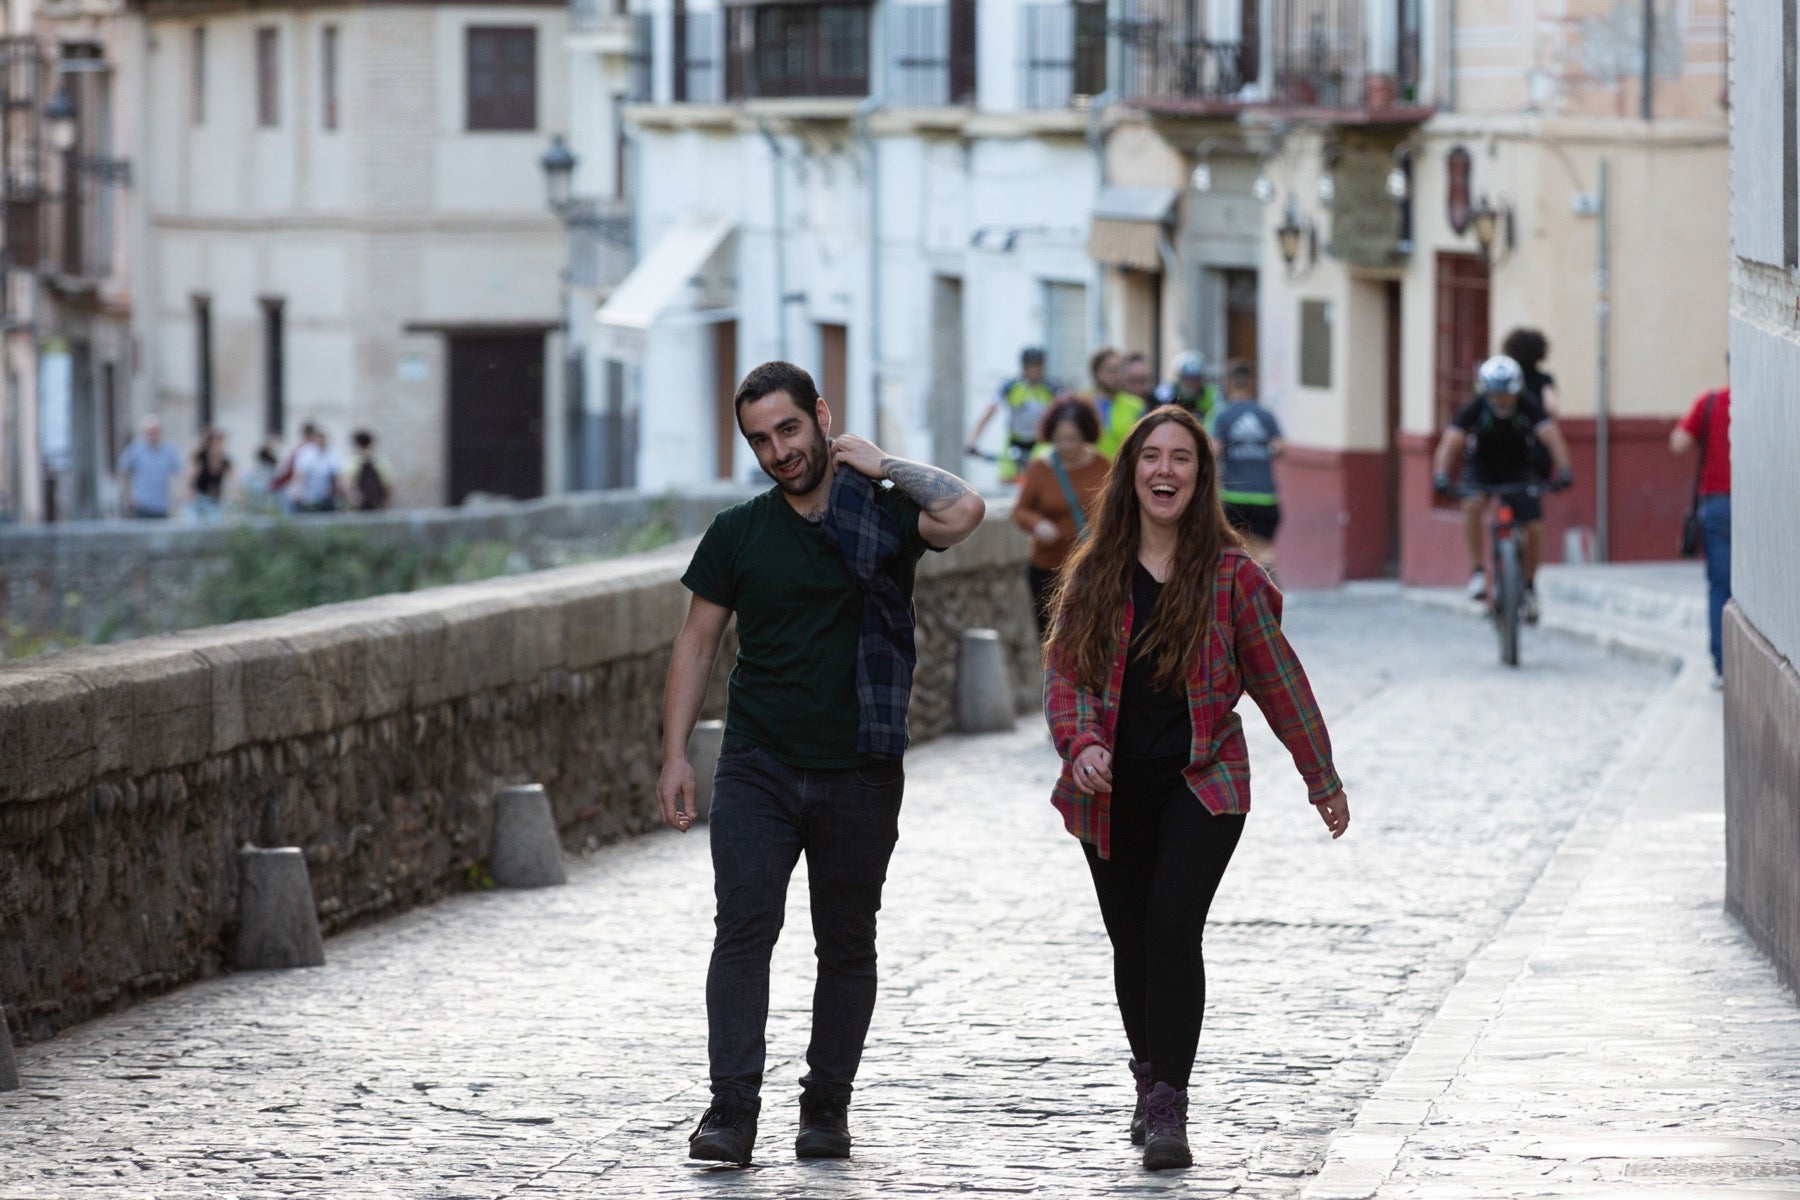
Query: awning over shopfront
[[1128, 226], [686, 254]]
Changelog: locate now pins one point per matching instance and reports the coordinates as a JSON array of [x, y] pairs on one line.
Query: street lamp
[[1293, 238], [558, 163], [1493, 225], [60, 121]]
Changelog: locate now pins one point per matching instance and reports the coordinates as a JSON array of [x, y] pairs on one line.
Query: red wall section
[[1333, 515]]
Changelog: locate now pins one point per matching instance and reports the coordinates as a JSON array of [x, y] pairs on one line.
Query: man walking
[[146, 470], [819, 570], [1189, 388], [1708, 426], [1247, 440]]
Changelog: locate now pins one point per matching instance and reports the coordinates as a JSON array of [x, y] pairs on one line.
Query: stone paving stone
[[552, 1043]]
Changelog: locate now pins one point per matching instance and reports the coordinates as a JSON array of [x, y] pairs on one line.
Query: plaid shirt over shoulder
[[1244, 651]]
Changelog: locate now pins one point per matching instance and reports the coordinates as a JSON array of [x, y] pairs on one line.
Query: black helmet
[[1031, 356]]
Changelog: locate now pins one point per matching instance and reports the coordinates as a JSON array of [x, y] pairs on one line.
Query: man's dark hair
[[1527, 347], [1240, 374], [362, 439], [774, 377], [1031, 356], [1136, 356], [307, 429], [1071, 410]]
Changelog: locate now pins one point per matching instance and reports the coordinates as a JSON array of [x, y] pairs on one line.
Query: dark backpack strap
[[1700, 458]]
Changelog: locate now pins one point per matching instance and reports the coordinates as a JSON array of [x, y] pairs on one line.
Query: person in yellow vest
[[1025, 398], [1122, 409]]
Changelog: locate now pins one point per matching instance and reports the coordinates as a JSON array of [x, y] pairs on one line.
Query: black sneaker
[[824, 1128], [724, 1135]]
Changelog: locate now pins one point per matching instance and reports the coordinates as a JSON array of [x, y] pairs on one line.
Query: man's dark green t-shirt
[[799, 617]]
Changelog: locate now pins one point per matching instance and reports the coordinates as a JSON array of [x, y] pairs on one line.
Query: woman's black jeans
[[765, 814], [1168, 855]]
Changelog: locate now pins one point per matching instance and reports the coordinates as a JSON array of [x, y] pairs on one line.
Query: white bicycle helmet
[[1500, 374], [1190, 364]]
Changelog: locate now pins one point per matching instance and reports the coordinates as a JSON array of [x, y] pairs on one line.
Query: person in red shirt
[[1708, 426], [1163, 621]]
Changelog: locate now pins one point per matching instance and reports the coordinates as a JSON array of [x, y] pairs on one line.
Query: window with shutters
[[1065, 334], [197, 77], [502, 78], [797, 50], [268, 77]]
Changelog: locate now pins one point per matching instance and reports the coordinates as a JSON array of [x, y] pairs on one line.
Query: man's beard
[[809, 477]]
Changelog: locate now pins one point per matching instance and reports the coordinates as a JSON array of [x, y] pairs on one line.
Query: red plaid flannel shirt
[[1244, 651]]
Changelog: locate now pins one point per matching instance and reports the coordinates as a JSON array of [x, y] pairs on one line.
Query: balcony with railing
[[789, 51], [1062, 53], [1170, 58], [931, 60], [1325, 57]]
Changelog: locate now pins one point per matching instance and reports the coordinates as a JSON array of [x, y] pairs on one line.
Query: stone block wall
[[371, 734], [1762, 792]]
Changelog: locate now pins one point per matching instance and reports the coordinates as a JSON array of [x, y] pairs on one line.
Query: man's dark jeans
[[1715, 537], [764, 815]]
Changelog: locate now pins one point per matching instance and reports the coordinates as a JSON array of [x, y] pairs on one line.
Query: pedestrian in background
[[1132, 387], [1189, 388], [261, 495], [819, 571], [1056, 498], [318, 475], [208, 476], [369, 476], [1529, 348], [1247, 438], [147, 470], [1162, 623], [1025, 398], [1707, 426]]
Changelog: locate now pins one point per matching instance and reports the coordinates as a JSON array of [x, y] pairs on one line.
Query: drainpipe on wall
[[1097, 146], [1647, 92], [869, 106], [777, 172], [1603, 395]]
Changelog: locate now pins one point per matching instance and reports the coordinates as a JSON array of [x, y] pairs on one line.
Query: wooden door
[[496, 415], [1240, 316], [1462, 337], [834, 375], [725, 383]]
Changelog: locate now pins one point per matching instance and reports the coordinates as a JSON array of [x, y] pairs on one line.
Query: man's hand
[[1440, 483], [1093, 770], [675, 795], [859, 454], [1046, 532], [1335, 812], [1563, 480]]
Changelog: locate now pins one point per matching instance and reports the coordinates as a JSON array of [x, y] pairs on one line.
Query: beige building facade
[[349, 227], [1385, 140]]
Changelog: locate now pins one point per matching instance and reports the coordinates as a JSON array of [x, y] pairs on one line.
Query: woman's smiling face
[[1168, 472]]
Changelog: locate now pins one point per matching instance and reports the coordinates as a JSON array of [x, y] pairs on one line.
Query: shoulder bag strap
[[1700, 458], [1068, 491]]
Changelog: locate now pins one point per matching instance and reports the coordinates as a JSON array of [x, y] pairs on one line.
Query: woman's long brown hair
[[1096, 581]]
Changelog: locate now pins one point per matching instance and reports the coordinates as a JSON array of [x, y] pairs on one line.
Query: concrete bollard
[[984, 695], [278, 925], [703, 752], [526, 851], [9, 1068]]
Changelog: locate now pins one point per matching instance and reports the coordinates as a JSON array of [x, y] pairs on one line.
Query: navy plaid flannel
[[867, 537]]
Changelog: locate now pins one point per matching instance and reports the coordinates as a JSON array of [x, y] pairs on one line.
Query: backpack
[[371, 488]]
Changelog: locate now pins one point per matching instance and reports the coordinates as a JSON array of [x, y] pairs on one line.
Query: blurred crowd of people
[[157, 483]]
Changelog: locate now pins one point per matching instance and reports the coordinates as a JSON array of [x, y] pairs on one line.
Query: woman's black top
[[1153, 722], [208, 482]]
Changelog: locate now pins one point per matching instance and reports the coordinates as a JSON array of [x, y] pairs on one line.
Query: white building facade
[[349, 227], [895, 195]]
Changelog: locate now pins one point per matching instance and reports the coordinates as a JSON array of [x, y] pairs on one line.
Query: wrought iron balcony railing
[[932, 58]]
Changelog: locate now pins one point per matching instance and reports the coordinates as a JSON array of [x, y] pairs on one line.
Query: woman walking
[[1162, 622], [207, 479], [1056, 497]]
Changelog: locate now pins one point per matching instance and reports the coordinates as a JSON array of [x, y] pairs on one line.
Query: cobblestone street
[[552, 1043]]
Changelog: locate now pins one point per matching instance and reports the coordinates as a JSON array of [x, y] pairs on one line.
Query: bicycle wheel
[[1509, 596]]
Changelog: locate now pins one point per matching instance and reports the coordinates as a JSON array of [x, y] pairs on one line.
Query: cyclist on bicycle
[[1189, 388], [1495, 433], [1026, 398]]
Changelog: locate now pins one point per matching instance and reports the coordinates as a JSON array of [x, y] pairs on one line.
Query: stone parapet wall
[[1762, 792], [77, 575], [371, 734]]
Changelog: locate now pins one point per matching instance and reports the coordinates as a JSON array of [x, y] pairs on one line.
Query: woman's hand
[[1335, 812], [1046, 532], [1093, 770]]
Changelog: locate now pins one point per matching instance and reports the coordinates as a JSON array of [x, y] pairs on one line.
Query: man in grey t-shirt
[[146, 469], [1247, 439]]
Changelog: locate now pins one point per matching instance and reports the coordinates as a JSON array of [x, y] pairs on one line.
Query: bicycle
[[1506, 587]]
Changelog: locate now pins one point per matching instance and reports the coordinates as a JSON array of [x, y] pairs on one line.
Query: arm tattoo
[[931, 489]]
